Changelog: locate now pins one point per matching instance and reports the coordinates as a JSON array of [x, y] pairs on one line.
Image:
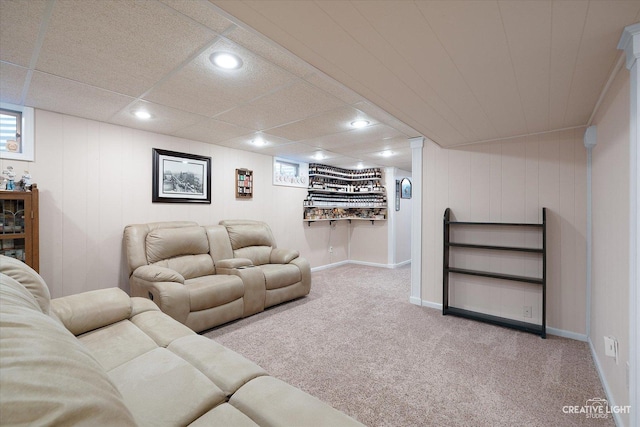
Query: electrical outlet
[[527, 311], [611, 347], [330, 249]]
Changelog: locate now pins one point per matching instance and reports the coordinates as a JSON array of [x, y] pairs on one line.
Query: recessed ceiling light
[[226, 60], [319, 156], [259, 141], [141, 114], [360, 166], [386, 153], [360, 123]]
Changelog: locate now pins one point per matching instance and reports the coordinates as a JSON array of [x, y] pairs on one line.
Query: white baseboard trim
[[328, 266], [551, 331], [603, 381], [370, 264], [567, 334], [415, 300]]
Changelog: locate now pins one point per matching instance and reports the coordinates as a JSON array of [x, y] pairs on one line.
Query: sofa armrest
[[283, 256], [171, 297], [91, 310], [233, 263], [153, 273]]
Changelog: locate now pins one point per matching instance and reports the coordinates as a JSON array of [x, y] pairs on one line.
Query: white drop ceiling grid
[[458, 72], [103, 60]]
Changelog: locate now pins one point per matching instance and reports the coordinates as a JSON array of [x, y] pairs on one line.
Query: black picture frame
[[180, 177], [405, 188]]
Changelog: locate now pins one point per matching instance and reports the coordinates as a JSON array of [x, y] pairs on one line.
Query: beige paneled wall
[[510, 181], [610, 265], [95, 178]]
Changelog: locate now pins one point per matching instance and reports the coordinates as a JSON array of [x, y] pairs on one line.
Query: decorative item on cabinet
[[244, 184], [19, 229], [344, 194]]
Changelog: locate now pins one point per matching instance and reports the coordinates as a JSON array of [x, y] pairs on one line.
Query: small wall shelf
[[244, 184], [538, 329], [336, 194]]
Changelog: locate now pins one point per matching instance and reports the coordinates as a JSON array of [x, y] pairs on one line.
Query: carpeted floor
[[358, 344]]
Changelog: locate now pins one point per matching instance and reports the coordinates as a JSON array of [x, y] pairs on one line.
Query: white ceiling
[[455, 71]]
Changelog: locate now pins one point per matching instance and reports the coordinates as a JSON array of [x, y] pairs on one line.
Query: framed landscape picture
[[180, 177]]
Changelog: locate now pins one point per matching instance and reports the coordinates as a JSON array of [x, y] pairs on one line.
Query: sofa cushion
[[212, 291], [117, 343], [271, 402], [280, 275], [257, 254], [248, 233], [189, 266], [160, 327], [28, 278], [224, 415], [160, 388], [165, 243], [48, 377], [226, 368]]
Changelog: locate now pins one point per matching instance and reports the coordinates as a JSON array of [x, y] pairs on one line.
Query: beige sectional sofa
[[104, 358], [204, 276]]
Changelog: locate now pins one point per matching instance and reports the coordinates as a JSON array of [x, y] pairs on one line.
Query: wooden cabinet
[[344, 194], [19, 231]]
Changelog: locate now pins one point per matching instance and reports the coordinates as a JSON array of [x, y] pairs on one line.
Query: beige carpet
[[358, 344]]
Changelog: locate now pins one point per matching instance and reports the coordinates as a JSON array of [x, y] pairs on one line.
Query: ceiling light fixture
[[319, 156], [259, 141], [386, 153], [226, 60], [360, 123], [142, 115]]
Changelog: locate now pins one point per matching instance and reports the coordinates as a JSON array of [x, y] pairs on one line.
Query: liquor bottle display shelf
[[538, 329], [336, 194], [331, 221]]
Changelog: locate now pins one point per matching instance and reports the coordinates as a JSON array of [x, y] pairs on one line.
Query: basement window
[[290, 173], [10, 131], [16, 132]]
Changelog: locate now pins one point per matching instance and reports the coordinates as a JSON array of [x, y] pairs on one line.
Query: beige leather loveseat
[[102, 358], [204, 276]]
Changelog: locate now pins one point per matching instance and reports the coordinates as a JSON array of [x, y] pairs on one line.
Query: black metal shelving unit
[[538, 329]]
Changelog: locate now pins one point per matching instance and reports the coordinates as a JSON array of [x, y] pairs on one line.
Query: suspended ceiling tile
[[202, 12], [329, 122], [383, 117], [378, 146], [12, 80], [597, 56], [19, 28], [164, 119], [212, 131], [204, 89], [293, 151], [332, 87], [527, 25], [295, 102], [124, 47], [568, 23], [65, 96], [269, 51], [369, 134]]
